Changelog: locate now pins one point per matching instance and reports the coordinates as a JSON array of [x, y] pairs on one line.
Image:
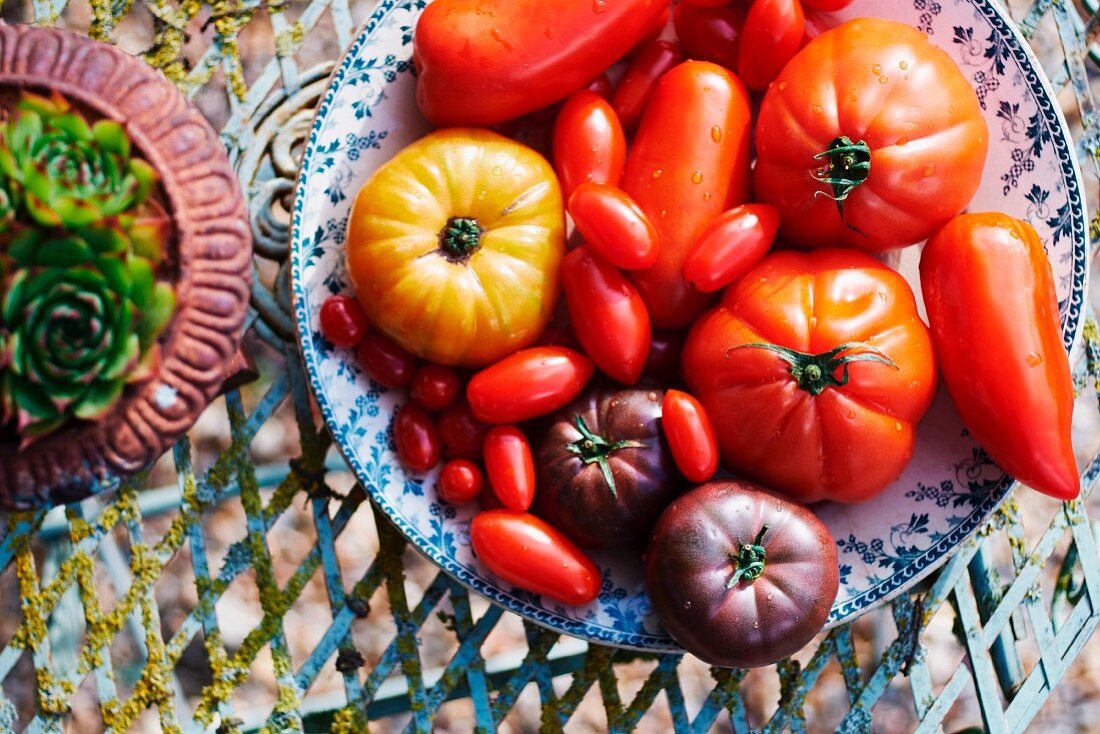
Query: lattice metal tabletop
[[229, 590]]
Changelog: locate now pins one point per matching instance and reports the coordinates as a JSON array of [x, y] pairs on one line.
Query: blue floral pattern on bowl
[[886, 545]]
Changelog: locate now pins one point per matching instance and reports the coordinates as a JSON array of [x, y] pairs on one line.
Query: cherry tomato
[[690, 436], [434, 387], [462, 434], [663, 362], [710, 33], [510, 467], [608, 315], [589, 144], [730, 246], [416, 439], [614, 226], [529, 553], [601, 85], [385, 361], [460, 481], [826, 6], [771, 36], [636, 87], [343, 321], [528, 384]]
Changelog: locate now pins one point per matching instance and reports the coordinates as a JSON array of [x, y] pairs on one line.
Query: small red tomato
[[636, 86], [460, 482], [510, 467], [690, 436], [730, 245], [528, 384], [461, 433], [416, 439], [663, 362], [385, 361], [589, 144], [827, 6], [343, 321], [771, 36], [601, 85], [529, 553], [710, 33], [614, 226], [434, 387], [608, 315]]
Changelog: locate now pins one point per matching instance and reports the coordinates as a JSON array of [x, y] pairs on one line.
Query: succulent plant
[[63, 172]]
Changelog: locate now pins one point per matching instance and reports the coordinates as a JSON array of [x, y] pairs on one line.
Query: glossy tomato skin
[[510, 467], [693, 555], [460, 481], [461, 433], [385, 361], [847, 442], [1001, 347], [771, 36], [343, 320], [926, 147], [609, 317], [730, 246], [484, 62], [528, 384], [574, 495], [689, 163], [415, 437], [589, 144], [435, 387], [527, 552], [711, 33], [827, 6], [636, 87], [614, 226], [454, 246], [690, 436]]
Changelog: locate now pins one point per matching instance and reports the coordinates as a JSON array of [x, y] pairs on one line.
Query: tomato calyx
[[749, 562], [460, 238], [593, 448], [816, 372], [847, 165]]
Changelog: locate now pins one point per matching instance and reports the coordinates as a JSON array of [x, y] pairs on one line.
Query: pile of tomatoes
[[584, 386]]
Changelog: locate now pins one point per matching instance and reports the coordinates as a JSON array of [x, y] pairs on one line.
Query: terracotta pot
[[210, 253]]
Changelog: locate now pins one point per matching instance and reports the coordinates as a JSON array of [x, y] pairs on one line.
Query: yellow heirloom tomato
[[454, 246]]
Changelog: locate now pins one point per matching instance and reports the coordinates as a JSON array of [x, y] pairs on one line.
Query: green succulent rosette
[[63, 172], [82, 314]]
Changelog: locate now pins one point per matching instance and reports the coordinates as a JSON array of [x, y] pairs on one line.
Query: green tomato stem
[[593, 448], [816, 372], [460, 238], [847, 165], [750, 561]]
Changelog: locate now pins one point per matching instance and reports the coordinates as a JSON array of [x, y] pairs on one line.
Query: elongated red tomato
[[415, 437], [636, 86], [993, 311], [771, 37], [527, 552], [385, 361], [608, 315], [485, 61], [510, 467], [530, 383], [730, 245], [343, 320], [690, 436], [614, 226], [589, 144], [711, 33], [688, 164]]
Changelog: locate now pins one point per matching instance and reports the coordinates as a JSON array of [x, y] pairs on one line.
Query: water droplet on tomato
[[697, 177], [657, 172], [565, 565], [897, 426], [1034, 359], [716, 134], [663, 214], [498, 36], [652, 397], [826, 479], [598, 6], [687, 605], [929, 169], [817, 109], [706, 196], [706, 87], [496, 170], [770, 597], [883, 297], [883, 79], [877, 69], [903, 141], [851, 414], [782, 86], [903, 65], [756, 625], [550, 31]]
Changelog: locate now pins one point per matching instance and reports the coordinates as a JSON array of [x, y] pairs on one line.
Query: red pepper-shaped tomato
[[614, 226], [589, 144], [415, 437], [527, 552], [528, 384], [510, 467], [636, 86], [993, 310], [771, 36], [486, 61], [711, 33], [815, 370], [730, 245], [608, 315], [688, 164], [690, 436], [870, 138]]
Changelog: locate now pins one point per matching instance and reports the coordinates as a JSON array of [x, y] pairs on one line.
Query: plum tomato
[[528, 384], [416, 438], [690, 436], [343, 320], [510, 467], [385, 361]]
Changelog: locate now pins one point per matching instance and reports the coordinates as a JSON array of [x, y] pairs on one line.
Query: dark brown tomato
[[740, 577], [606, 433]]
